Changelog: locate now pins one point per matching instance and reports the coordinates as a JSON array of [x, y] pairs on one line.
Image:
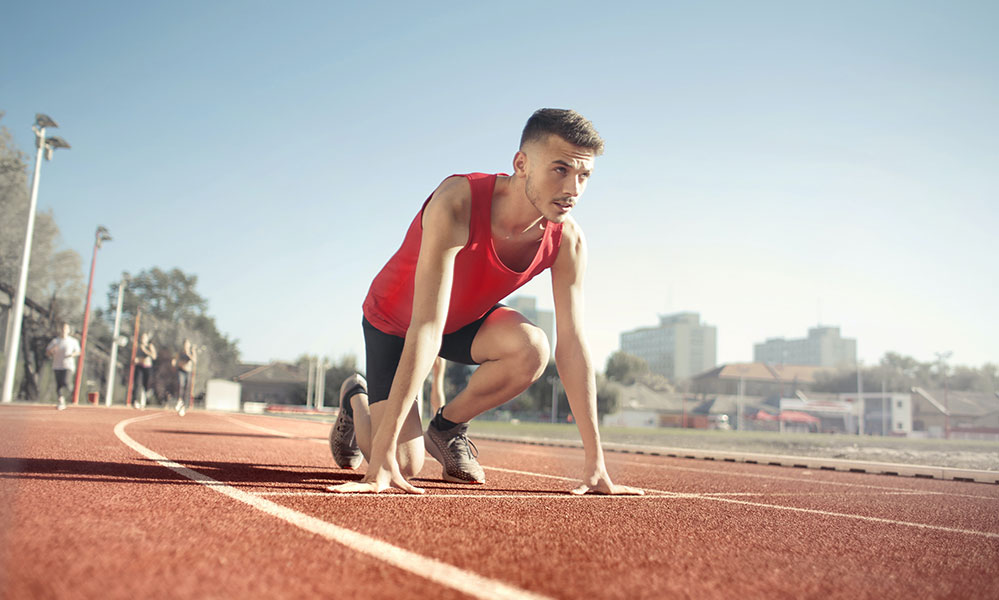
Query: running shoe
[[180, 407], [343, 441], [62, 404], [455, 452]]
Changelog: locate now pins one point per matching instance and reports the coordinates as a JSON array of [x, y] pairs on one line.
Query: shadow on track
[[237, 435], [152, 472]]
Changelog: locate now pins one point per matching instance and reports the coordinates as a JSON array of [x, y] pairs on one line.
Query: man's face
[[65, 330], [557, 173]]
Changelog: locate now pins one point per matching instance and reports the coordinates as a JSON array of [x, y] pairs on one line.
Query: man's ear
[[520, 164]]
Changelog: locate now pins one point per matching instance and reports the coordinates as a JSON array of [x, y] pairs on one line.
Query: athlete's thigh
[[504, 332]]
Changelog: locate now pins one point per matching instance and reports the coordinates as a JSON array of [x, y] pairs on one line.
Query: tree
[[55, 278], [172, 311], [608, 396], [537, 399], [901, 373], [625, 368], [456, 376]]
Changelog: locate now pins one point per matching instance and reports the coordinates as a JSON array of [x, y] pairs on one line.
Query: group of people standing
[[65, 348]]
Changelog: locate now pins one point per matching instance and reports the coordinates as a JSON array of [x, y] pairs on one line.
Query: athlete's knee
[[411, 455], [411, 463], [532, 357]]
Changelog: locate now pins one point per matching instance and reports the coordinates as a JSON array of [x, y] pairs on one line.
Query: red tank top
[[480, 277]]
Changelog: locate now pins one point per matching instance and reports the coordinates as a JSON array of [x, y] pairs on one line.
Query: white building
[[679, 347], [822, 348]]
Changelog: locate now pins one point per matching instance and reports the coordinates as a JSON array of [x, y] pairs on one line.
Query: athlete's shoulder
[[449, 208], [454, 187], [572, 233]]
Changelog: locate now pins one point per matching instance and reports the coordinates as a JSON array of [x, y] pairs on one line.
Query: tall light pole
[[114, 342], [942, 366], [100, 236], [46, 145], [861, 422], [554, 380]]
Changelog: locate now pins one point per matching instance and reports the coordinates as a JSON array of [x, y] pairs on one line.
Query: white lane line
[[567, 496], [650, 463], [271, 431], [826, 513], [436, 571], [778, 506], [529, 473], [829, 493], [401, 496]]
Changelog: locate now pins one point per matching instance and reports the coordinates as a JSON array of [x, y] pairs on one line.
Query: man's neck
[[513, 215]]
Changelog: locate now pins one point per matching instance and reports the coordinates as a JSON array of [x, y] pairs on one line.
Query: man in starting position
[[477, 238]]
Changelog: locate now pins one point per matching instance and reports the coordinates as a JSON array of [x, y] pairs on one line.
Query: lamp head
[[43, 121], [103, 235], [52, 143]]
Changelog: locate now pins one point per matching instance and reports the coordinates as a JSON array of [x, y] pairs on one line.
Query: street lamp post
[[46, 145], [554, 380], [114, 342], [942, 366], [100, 236]]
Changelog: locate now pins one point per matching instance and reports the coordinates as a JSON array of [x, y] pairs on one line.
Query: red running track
[[112, 503]]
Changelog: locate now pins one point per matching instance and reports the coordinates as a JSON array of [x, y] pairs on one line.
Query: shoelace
[[467, 443]]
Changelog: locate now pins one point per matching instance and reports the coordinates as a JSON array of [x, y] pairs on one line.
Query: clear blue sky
[[771, 165]]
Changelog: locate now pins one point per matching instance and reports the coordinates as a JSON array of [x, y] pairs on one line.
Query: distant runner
[[477, 238], [63, 350]]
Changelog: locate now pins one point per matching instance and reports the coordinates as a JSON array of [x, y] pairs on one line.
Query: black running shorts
[[382, 352]]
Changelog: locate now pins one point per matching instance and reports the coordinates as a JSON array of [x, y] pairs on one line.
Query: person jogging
[[63, 350], [477, 238], [184, 362], [145, 354]]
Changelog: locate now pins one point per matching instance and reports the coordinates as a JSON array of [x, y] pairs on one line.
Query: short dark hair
[[567, 124]]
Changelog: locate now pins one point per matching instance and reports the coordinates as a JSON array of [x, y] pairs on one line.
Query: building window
[[899, 405]]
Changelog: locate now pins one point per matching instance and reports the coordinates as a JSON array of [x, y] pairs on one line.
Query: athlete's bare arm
[[445, 231], [572, 357]]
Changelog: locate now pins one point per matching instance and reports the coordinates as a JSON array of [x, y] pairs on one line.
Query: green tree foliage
[[336, 372], [172, 311], [608, 397], [625, 368], [901, 373], [55, 279], [456, 377], [536, 402]]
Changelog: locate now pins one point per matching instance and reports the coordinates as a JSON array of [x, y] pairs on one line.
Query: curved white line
[[436, 571]]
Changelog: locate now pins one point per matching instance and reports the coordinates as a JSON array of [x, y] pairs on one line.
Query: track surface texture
[[113, 503]]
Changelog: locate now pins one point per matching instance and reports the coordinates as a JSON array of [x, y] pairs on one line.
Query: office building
[[824, 347], [678, 348]]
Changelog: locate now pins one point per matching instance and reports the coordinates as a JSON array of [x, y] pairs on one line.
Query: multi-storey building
[[679, 347], [822, 348]]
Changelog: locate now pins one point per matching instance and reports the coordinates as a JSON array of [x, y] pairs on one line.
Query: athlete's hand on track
[[610, 489], [377, 480], [599, 482]]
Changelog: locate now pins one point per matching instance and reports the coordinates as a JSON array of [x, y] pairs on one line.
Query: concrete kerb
[[801, 462]]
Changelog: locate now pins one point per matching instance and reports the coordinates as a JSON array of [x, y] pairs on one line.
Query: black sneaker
[[343, 442], [452, 449]]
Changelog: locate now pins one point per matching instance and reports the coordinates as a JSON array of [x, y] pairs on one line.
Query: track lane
[[521, 528]]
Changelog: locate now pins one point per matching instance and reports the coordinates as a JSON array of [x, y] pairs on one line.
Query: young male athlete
[[477, 239]]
